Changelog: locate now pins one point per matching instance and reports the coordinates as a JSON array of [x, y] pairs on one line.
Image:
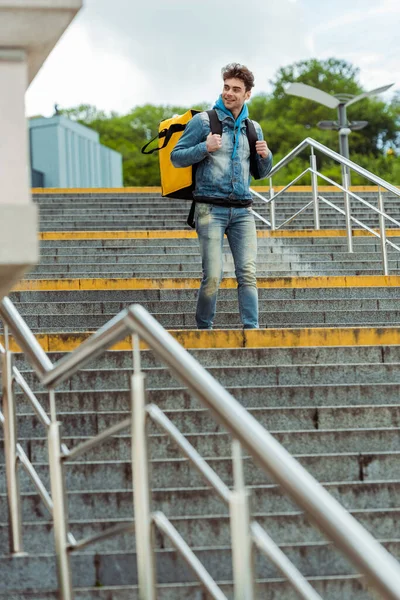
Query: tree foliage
[[286, 121]]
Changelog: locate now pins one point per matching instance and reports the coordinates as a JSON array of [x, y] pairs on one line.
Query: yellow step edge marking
[[157, 189], [193, 283], [116, 235], [185, 233], [237, 338]]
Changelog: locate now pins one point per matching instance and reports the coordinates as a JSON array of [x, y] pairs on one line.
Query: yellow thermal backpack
[[179, 182]]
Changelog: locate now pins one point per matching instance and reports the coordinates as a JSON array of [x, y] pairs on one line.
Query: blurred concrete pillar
[[29, 30]]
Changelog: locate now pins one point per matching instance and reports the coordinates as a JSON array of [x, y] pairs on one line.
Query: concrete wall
[[70, 155]]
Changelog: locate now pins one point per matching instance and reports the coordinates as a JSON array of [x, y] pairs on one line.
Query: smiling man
[[224, 165]]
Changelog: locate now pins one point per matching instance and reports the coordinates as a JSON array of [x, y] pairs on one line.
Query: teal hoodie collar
[[244, 114]]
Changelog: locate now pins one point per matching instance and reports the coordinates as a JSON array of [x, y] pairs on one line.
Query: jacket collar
[[224, 117]]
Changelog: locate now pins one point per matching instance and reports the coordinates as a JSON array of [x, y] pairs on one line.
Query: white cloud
[[123, 53], [78, 72]]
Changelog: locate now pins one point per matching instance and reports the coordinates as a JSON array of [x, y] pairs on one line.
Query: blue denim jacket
[[218, 176]]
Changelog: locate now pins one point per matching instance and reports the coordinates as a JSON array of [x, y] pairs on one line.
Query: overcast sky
[[118, 54]]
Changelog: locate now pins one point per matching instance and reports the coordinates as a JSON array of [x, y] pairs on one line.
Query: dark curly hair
[[238, 71]]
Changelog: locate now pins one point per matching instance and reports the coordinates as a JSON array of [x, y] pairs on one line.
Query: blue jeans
[[212, 222]]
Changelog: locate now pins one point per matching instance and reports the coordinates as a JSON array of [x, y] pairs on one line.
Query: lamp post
[[341, 102]]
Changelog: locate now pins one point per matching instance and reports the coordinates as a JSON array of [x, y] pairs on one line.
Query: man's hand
[[213, 142], [262, 148]]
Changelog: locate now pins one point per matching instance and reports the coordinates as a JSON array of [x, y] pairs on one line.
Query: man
[[222, 194]]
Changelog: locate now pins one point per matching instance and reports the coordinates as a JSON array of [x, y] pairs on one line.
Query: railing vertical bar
[[272, 206], [10, 451], [53, 408], [141, 490], [136, 353], [60, 512], [242, 543], [382, 228], [314, 184], [347, 210]]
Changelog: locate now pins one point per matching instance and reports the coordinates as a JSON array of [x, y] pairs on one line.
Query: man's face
[[234, 94]]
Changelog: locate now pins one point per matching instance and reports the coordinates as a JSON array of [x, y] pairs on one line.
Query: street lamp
[[341, 102]]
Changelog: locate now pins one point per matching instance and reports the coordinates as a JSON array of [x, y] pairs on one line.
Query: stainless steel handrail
[[261, 538], [357, 544], [96, 440], [281, 561], [282, 191], [37, 407], [357, 197], [349, 219], [25, 338], [357, 221], [191, 559], [37, 482], [335, 156], [292, 218], [108, 533], [195, 458]]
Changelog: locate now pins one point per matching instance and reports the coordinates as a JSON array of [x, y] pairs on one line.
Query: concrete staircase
[[147, 210], [323, 375]]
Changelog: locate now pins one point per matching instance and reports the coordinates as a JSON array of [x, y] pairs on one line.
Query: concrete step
[[172, 268], [171, 263], [268, 320], [191, 421], [287, 243], [251, 396], [124, 225], [334, 588], [106, 379], [224, 295], [164, 259], [189, 306], [244, 356], [232, 376], [105, 504], [116, 273], [174, 255], [118, 210], [286, 528], [165, 217], [168, 225], [351, 466], [357, 438], [317, 559]]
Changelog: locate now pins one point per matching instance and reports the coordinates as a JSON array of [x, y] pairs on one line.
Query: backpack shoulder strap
[[252, 137], [215, 123], [216, 127]]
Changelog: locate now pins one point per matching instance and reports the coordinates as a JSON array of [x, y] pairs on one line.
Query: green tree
[[127, 134], [286, 121]]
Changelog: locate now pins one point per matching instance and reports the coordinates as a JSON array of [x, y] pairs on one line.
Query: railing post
[[242, 541], [347, 210], [272, 206], [382, 228], [60, 513], [10, 451], [141, 490], [314, 185]]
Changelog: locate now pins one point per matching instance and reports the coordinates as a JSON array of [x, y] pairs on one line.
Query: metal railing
[[380, 569], [347, 165]]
